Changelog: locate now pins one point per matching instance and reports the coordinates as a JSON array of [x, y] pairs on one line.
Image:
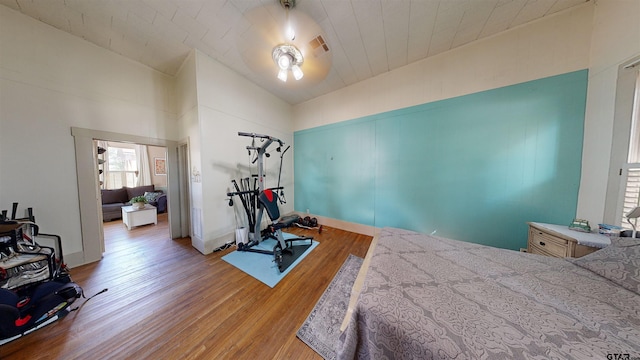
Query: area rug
[[262, 266], [322, 328]]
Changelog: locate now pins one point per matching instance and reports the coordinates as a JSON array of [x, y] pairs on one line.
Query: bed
[[422, 297]]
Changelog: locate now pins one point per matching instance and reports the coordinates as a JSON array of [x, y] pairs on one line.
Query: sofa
[[114, 200]]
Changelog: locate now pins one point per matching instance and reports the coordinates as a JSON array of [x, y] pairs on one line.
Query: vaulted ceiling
[[365, 38]]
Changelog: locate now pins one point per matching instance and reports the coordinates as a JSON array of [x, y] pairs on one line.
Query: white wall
[[187, 107], [51, 81], [229, 103], [160, 181], [615, 39], [187, 96], [553, 45]]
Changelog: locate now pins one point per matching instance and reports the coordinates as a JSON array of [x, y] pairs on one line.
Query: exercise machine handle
[[242, 192], [252, 191], [241, 133], [260, 136]]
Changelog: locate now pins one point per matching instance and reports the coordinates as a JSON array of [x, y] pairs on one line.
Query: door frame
[[88, 186], [184, 178]]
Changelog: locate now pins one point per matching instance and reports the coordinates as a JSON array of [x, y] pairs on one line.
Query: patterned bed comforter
[[428, 297]]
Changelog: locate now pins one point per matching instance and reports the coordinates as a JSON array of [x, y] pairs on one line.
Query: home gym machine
[[255, 199]]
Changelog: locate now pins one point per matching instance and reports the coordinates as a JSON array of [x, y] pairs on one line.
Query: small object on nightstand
[[580, 225], [609, 230]]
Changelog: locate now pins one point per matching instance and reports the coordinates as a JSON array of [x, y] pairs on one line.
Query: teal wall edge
[[473, 168]]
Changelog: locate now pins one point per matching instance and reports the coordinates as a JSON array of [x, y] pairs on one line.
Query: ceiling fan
[[282, 42]]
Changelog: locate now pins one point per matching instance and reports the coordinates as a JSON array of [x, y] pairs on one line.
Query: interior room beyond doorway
[[127, 170]]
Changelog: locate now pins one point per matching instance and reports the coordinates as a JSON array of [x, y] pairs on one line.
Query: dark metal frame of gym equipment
[[257, 197]]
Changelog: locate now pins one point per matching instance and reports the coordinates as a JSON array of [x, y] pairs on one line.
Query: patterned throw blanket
[[428, 297]]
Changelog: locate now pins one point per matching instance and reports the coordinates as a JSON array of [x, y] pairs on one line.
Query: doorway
[[126, 170], [88, 190]]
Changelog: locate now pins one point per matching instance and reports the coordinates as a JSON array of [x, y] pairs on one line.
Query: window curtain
[[144, 167], [105, 168]]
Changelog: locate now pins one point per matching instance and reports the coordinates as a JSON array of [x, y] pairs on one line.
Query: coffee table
[[136, 217]]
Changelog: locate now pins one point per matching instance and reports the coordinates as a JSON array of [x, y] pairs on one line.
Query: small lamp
[[633, 214]]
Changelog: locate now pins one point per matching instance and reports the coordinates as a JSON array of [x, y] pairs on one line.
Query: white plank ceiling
[[365, 37]]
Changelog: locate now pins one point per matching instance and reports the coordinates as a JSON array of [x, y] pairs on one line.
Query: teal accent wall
[[474, 168]]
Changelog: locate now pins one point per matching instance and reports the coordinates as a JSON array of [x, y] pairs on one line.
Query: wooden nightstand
[[560, 241]]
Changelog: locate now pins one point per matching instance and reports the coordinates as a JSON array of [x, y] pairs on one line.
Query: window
[[122, 167], [631, 170]]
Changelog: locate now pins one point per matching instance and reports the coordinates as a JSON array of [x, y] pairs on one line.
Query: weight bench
[[285, 253]]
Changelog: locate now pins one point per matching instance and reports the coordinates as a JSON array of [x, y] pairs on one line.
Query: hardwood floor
[[168, 301]]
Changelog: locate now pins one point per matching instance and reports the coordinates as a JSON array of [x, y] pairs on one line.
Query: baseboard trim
[[343, 225], [199, 245], [75, 259], [207, 247]]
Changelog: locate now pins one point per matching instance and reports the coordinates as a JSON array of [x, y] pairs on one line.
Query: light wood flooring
[[168, 301]]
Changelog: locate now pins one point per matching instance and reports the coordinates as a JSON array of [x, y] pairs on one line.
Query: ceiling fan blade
[[267, 29]]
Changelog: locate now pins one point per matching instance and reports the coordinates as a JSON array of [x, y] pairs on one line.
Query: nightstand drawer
[[547, 244], [532, 249]]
